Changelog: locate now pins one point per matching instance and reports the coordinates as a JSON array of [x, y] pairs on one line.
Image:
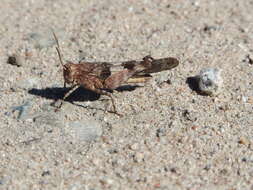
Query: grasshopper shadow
[[79, 95], [193, 84], [56, 93], [127, 88]]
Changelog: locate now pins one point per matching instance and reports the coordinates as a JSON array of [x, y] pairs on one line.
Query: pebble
[[86, 130], [134, 146], [82, 55], [244, 141], [248, 59], [190, 115], [106, 181], [16, 60], [161, 132], [210, 81], [244, 99], [138, 157], [22, 110]]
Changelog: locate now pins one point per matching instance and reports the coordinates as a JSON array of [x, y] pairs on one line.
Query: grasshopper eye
[[148, 58]]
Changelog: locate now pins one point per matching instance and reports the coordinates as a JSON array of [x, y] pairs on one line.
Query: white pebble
[[210, 81], [134, 146]]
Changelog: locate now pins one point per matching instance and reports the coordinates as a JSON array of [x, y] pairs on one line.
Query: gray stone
[[22, 110], [15, 59], [210, 81]]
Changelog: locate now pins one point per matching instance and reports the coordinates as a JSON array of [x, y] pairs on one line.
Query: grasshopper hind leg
[[102, 92], [67, 94]]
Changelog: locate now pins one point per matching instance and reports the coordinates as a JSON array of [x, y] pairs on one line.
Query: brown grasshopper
[[102, 77]]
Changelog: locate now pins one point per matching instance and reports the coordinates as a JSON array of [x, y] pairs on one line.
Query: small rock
[[194, 127], [248, 59], [244, 99], [189, 115], [173, 170], [138, 157], [209, 81], [161, 132], [28, 54], [86, 130], [209, 29], [244, 141], [82, 55], [224, 171], [23, 110], [207, 167], [106, 181], [244, 159], [45, 173], [134, 146], [16, 60]]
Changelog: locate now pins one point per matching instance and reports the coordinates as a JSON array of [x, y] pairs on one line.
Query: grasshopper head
[[68, 68], [68, 72]]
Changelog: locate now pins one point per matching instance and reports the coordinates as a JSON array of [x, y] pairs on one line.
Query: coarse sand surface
[[170, 136]]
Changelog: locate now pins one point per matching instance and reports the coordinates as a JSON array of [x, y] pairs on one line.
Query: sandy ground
[[170, 137]]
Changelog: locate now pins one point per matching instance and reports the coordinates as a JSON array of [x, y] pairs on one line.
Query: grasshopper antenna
[[58, 50]]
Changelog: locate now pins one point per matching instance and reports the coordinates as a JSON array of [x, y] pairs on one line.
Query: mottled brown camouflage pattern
[[102, 76]]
